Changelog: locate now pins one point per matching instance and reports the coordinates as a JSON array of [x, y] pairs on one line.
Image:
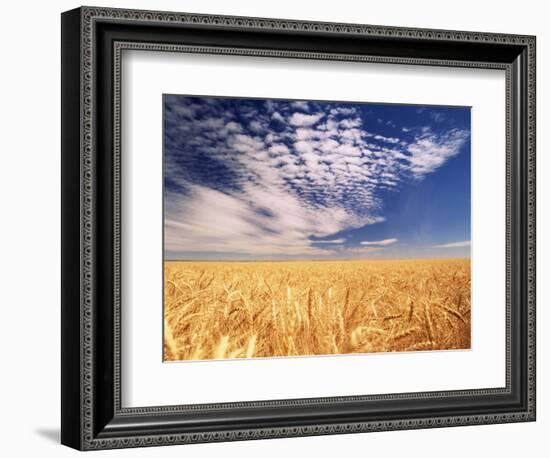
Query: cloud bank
[[463, 244], [384, 242]]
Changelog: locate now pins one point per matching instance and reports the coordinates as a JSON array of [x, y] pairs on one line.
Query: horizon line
[[315, 260]]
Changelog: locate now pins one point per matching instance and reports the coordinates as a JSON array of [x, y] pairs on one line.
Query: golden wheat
[[215, 310]]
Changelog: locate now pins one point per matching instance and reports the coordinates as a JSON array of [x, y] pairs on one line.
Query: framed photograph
[[276, 228]]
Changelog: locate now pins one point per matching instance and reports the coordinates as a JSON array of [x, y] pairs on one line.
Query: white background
[[148, 75], [29, 242]]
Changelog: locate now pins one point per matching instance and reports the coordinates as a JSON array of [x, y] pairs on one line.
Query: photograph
[[313, 228]]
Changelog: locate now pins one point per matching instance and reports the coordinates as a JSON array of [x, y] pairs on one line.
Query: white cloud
[[342, 111], [465, 243], [260, 221], [350, 123], [300, 105], [346, 149], [256, 126], [306, 133], [187, 111], [304, 120], [277, 117], [336, 241], [384, 242], [304, 148], [245, 143], [430, 151], [279, 148], [327, 145], [233, 126], [386, 139]]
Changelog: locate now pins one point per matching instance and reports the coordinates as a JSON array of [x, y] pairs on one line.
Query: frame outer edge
[[259, 23], [88, 193], [86, 399], [71, 306], [532, 225]]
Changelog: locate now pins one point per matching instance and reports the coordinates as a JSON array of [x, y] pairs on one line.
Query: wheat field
[[217, 310]]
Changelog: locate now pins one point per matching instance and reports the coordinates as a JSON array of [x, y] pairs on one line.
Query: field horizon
[[417, 258], [275, 308]]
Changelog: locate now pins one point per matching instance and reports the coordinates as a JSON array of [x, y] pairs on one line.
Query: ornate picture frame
[[93, 416]]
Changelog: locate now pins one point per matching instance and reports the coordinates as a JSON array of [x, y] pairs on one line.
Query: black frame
[[92, 42]]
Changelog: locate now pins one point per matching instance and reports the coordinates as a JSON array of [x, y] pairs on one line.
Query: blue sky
[[282, 179]]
